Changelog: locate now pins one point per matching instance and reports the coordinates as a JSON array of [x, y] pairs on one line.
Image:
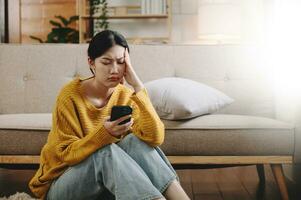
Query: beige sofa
[[245, 132]]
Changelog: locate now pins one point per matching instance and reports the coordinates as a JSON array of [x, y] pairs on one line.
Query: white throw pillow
[[179, 98]]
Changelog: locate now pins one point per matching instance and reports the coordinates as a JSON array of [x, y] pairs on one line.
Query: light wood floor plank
[[185, 180], [204, 184], [230, 186]]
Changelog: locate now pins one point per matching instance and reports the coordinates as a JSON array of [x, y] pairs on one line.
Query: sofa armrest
[[288, 109]]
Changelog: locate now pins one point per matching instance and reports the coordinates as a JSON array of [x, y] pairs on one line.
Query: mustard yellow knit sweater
[[77, 130]]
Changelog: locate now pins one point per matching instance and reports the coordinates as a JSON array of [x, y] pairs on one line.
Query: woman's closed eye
[[121, 61], [108, 63]]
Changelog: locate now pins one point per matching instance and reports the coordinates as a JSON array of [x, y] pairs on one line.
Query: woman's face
[[110, 66]]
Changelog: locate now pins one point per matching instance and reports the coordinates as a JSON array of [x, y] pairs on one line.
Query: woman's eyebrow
[[112, 59]]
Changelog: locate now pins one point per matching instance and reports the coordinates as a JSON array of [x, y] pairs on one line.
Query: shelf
[[141, 40], [133, 16], [123, 12]]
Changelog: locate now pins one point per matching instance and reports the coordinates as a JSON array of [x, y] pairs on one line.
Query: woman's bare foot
[[175, 192]]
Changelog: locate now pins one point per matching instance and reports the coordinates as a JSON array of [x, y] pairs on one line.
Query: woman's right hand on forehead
[[117, 130]]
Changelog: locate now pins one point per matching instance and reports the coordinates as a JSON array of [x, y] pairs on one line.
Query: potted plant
[[61, 32]]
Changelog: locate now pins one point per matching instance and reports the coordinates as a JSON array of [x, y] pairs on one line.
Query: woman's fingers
[[116, 129], [117, 121], [124, 126], [126, 56]]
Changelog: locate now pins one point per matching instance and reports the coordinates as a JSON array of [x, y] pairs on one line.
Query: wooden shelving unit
[[130, 16], [124, 12]]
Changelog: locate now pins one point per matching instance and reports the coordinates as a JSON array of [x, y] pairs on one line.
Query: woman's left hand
[[129, 73]]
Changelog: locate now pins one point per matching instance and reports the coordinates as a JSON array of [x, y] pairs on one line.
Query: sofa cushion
[[216, 135], [177, 98], [24, 121], [228, 135]]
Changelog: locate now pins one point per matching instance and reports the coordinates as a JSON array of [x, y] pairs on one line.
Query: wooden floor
[[200, 184]]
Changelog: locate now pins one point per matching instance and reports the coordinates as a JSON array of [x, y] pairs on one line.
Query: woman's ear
[[90, 61]]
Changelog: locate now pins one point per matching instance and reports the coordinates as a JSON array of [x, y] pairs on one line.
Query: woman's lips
[[113, 79]]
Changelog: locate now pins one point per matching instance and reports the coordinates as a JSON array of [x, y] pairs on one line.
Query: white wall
[[247, 21]]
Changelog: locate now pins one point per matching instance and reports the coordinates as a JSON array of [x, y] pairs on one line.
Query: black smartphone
[[120, 111]]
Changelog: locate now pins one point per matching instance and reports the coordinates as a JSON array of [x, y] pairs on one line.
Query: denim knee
[[131, 140], [104, 151]]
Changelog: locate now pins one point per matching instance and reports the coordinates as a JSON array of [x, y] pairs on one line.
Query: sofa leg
[[260, 172], [280, 179]]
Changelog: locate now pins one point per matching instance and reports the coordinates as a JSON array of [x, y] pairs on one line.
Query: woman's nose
[[114, 68]]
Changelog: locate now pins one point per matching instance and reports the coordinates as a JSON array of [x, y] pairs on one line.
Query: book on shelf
[[153, 6], [143, 7], [164, 7]]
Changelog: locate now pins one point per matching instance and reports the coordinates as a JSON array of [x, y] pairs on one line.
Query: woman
[[87, 156]]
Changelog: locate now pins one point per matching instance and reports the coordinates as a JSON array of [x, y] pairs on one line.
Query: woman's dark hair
[[103, 41]]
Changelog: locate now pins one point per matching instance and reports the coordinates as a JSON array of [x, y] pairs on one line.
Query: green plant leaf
[[52, 37], [54, 23], [73, 18], [36, 38], [73, 37], [63, 19]]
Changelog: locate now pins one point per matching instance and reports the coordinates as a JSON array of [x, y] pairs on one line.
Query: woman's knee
[[132, 140], [106, 150]]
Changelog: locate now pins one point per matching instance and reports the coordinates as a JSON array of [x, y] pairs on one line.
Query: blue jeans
[[127, 170]]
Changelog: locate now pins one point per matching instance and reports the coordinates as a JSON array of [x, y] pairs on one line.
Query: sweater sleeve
[[70, 143], [147, 124]]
